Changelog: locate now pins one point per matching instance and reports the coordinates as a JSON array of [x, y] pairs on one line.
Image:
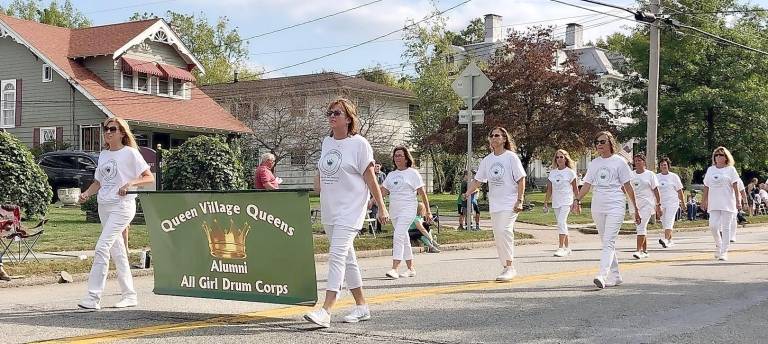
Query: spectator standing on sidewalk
[[462, 204], [721, 198], [671, 192], [264, 179], [561, 188]]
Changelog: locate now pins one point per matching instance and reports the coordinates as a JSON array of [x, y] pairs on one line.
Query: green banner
[[248, 246]]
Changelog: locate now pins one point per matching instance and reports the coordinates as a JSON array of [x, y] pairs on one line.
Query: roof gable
[[105, 40]]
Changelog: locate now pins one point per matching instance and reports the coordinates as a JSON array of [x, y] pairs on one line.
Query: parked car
[[69, 169]]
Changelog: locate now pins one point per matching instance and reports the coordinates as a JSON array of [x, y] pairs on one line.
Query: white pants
[[608, 226], [668, 213], [645, 216], [114, 219], [401, 242], [342, 261], [734, 224], [720, 221], [561, 215], [503, 223]]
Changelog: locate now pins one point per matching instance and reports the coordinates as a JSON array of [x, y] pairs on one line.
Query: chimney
[[574, 35], [493, 32]]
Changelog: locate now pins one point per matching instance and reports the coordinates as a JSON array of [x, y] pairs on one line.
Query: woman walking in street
[[608, 173], [672, 200], [504, 173], [403, 185], [561, 187], [646, 188], [721, 198], [121, 168], [345, 178]]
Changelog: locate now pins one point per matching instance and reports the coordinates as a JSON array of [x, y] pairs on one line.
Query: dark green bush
[[202, 163], [22, 181], [686, 175]]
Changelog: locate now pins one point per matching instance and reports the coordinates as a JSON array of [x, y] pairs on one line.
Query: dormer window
[[142, 82], [178, 88], [160, 36], [163, 87]]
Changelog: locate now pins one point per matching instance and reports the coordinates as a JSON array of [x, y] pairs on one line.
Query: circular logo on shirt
[[108, 170], [497, 172], [663, 183], [330, 163], [398, 182], [603, 176], [635, 183]]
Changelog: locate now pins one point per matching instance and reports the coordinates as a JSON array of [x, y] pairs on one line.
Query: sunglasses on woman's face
[[334, 113], [495, 135], [600, 142], [111, 129], [719, 154], [559, 157]]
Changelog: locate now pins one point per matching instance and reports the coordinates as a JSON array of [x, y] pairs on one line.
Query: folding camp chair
[[17, 242]]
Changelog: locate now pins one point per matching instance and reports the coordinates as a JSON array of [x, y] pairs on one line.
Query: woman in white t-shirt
[[403, 185], [671, 192], [121, 168], [607, 174], [561, 187], [504, 173], [646, 188], [345, 181], [721, 198]]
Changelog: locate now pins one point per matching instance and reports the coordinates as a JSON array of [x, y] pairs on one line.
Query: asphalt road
[[678, 295]]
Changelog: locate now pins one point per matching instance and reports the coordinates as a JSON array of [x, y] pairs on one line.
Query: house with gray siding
[[60, 84]]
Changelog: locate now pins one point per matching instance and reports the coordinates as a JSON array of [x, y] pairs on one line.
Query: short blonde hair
[[728, 156], [568, 161], [266, 156], [611, 139]]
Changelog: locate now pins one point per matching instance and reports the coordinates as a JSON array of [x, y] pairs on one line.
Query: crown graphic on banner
[[226, 243]]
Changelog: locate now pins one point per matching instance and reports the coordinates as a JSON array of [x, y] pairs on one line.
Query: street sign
[[471, 83], [478, 116]]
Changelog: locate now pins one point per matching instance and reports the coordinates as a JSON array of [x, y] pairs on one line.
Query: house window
[[127, 81], [47, 135], [142, 140], [90, 138], [178, 88], [413, 109], [8, 104], [142, 82], [163, 87], [298, 158], [47, 73]]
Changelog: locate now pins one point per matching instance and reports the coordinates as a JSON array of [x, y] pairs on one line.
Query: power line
[[596, 11]]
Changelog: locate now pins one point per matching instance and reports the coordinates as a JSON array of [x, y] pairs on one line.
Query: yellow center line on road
[[373, 300]]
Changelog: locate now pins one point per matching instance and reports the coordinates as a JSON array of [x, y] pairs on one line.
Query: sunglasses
[[719, 154], [559, 157], [334, 113], [495, 135], [111, 129], [600, 142]]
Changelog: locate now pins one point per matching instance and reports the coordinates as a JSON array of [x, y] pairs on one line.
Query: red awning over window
[[131, 65], [176, 72]]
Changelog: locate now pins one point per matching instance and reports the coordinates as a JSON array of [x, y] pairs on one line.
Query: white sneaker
[[717, 256], [409, 273], [127, 302], [599, 281], [664, 243], [670, 243], [614, 281], [567, 251], [319, 317], [723, 257], [637, 255], [644, 255], [392, 274], [89, 304], [358, 314], [560, 252], [507, 274]]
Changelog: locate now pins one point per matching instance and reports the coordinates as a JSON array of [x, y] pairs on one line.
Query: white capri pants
[[608, 226], [503, 223], [115, 217], [645, 216], [668, 213], [720, 221], [561, 215], [342, 261], [734, 224], [401, 242]]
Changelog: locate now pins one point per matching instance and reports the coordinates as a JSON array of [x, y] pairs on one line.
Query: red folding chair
[[17, 242]]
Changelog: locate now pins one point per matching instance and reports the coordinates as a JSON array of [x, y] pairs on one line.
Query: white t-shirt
[[402, 186], [643, 184], [562, 190], [720, 183], [343, 192], [116, 168], [501, 172], [607, 176], [669, 187], [740, 185]]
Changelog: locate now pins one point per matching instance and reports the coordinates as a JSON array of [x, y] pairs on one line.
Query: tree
[[711, 94], [473, 33], [57, 15], [380, 75], [219, 49]]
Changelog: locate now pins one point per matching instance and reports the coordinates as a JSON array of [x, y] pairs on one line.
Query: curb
[[592, 230]]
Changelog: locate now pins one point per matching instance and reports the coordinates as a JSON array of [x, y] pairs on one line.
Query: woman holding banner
[[121, 168], [345, 178]]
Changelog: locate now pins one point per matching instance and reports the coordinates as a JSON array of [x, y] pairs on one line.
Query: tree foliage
[[711, 94], [22, 182], [64, 15], [473, 33], [219, 48], [380, 75], [202, 163]]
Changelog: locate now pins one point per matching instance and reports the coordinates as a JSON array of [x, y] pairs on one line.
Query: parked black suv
[[68, 169]]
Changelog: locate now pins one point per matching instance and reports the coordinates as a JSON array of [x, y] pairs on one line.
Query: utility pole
[[653, 89]]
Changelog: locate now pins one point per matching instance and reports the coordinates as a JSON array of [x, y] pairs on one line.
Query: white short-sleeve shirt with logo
[[116, 168], [720, 183], [643, 184], [402, 186], [562, 190], [607, 176], [343, 192], [501, 172], [669, 186]]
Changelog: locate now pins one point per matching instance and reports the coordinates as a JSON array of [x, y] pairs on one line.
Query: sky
[[296, 45]]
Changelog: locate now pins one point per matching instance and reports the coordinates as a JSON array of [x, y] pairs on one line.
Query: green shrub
[[22, 181], [202, 163], [686, 175]]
